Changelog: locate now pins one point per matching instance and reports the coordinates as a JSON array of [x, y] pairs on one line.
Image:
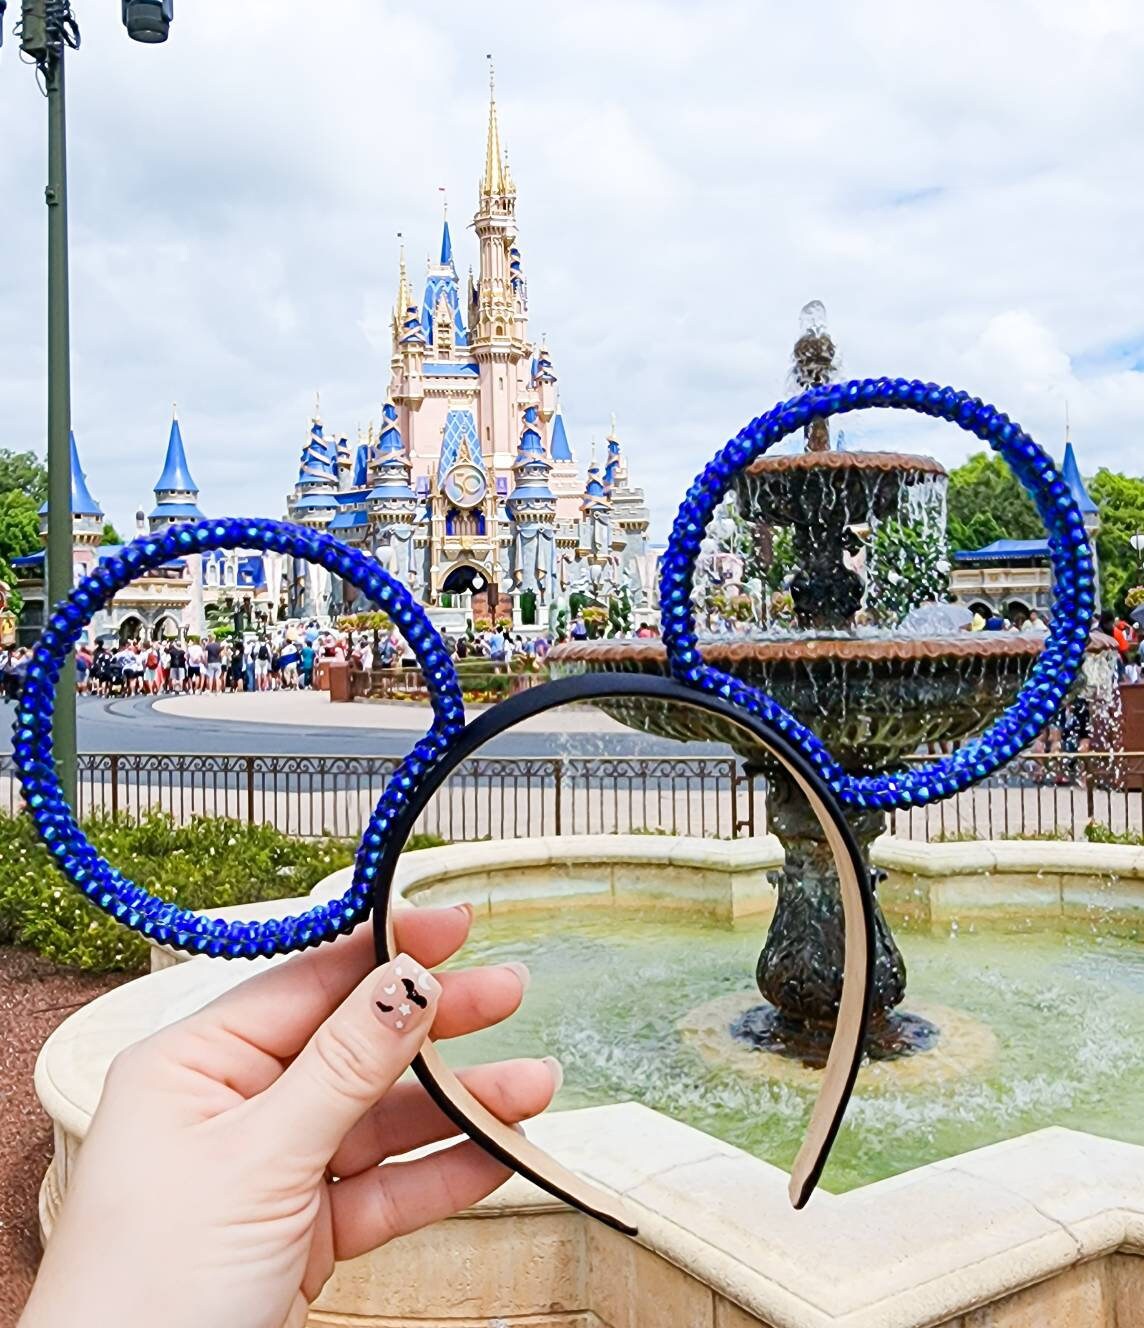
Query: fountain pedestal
[[801, 965]]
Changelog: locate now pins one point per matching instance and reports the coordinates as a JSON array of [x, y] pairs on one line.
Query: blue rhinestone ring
[[1052, 675], [103, 884]]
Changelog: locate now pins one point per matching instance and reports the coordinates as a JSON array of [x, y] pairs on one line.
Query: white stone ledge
[[1027, 856], [918, 1249]]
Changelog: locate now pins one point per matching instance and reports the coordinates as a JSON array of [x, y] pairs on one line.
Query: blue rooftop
[[561, 449], [446, 368], [176, 512], [176, 476], [1070, 473], [349, 520], [316, 500], [1005, 549], [82, 503]]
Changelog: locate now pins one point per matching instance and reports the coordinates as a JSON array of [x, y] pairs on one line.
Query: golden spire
[[404, 291], [493, 183]]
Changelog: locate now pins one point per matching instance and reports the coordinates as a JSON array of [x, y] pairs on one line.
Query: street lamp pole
[[47, 28], [59, 550]]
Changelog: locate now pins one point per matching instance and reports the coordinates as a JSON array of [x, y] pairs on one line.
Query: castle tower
[[314, 500], [176, 493], [1070, 473], [406, 380], [532, 510], [630, 521], [498, 317], [393, 505], [566, 483], [87, 515]]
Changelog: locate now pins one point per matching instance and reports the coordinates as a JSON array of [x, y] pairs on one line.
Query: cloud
[[961, 187]]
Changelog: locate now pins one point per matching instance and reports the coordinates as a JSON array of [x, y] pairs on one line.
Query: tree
[[907, 565], [25, 473], [988, 503], [19, 536], [1120, 499], [110, 534]]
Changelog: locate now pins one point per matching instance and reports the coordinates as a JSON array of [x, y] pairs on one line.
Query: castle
[[468, 490]]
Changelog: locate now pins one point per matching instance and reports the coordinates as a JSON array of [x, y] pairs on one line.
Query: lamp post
[[47, 29], [1137, 542]]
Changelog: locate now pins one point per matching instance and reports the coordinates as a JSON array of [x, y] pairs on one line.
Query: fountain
[[851, 545]]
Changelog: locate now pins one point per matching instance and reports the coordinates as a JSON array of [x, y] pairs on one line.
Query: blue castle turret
[[1070, 473], [87, 515], [314, 500], [392, 502], [532, 509], [176, 493]]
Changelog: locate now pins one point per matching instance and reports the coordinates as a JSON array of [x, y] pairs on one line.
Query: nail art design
[[404, 992]]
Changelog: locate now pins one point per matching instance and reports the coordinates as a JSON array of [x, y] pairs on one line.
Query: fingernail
[[405, 994], [521, 971], [556, 1070], [467, 909]]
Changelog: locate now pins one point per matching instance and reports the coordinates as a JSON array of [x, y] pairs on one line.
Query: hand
[[203, 1193]]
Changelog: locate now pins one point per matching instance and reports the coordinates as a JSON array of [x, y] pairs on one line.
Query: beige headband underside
[[524, 1156]]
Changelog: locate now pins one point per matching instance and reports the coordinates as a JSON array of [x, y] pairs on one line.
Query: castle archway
[[131, 628], [469, 579]]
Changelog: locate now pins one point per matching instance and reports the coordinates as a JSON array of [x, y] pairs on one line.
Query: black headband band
[[512, 1148]]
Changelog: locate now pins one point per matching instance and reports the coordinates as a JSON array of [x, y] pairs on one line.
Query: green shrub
[[210, 863], [1097, 833]]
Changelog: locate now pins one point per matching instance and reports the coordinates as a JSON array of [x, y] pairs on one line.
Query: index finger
[[277, 1010]]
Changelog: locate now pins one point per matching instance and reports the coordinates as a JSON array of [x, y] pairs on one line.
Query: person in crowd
[[130, 668], [151, 669], [1036, 624], [579, 629], [195, 659], [306, 659], [236, 667], [497, 649], [212, 654], [99, 676], [1124, 634], [288, 664], [15, 666], [177, 670], [82, 667]]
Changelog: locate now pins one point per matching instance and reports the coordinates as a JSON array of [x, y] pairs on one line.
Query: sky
[[961, 185]]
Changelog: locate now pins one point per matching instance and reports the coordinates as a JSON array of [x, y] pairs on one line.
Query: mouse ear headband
[[444, 1086]]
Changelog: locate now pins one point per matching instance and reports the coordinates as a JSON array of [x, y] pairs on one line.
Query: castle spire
[[176, 493], [404, 290], [493, 182], [446, 238]]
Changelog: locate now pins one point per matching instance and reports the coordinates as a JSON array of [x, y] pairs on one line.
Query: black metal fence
[[493, 797], [516, 797]]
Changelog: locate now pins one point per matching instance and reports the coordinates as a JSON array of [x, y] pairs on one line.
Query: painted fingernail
[[521, 971], [556, 1070], [405, 994]]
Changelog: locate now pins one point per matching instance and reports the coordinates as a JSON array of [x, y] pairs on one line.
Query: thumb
[[353, 1059]]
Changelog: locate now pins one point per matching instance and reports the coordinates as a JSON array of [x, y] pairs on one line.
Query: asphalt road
[[134, 725]]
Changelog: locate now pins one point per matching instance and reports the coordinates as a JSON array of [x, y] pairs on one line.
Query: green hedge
[[210, 863]]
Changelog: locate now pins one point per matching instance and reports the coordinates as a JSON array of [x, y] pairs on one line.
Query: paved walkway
[[313, 710]]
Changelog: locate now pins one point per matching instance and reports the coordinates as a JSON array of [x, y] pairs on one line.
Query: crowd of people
[[287, 659]]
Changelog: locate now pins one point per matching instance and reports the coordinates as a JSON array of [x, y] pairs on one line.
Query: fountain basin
[[1043, 1228], [869, 698]]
